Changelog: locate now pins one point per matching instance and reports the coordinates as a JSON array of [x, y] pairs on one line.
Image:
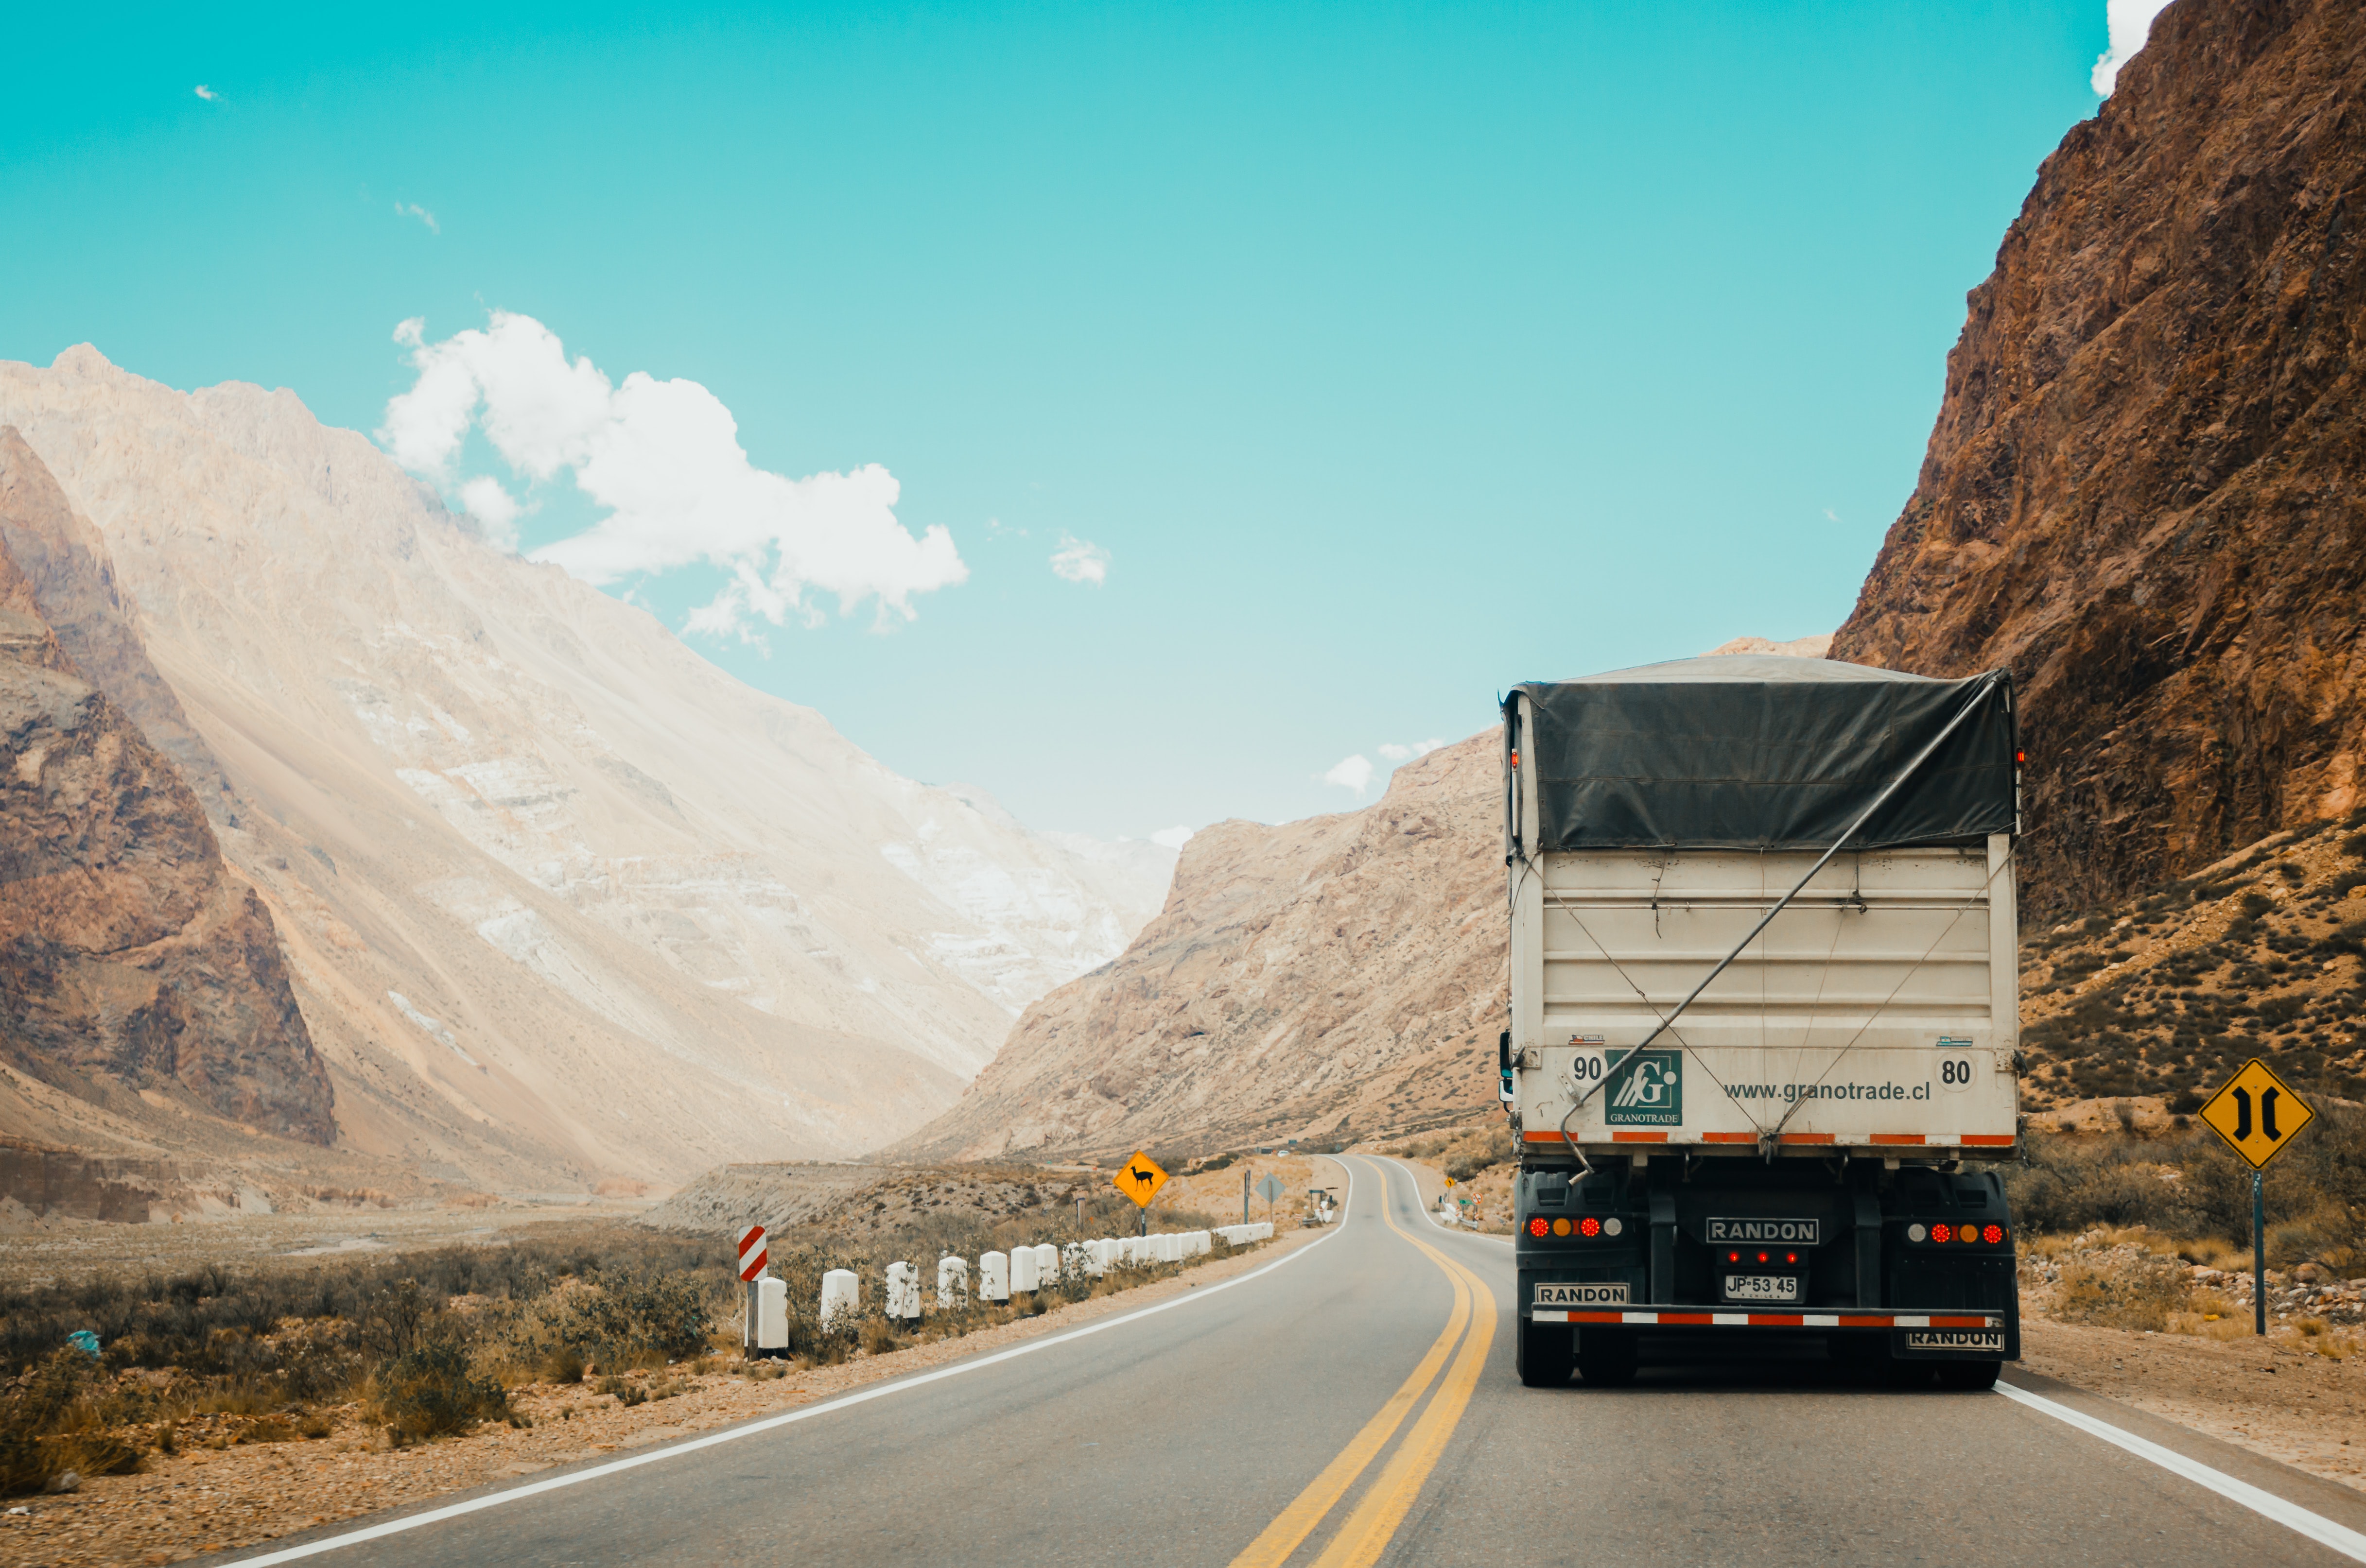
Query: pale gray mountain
[[561, 900]]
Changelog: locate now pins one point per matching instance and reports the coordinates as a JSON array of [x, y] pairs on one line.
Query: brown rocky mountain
[[1340, 970], [2143, 493], [132, 961], [65, 559]]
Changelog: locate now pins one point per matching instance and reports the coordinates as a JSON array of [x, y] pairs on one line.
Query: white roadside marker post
[[903, 1293], [771, 1316], [840, 1293], [992, 1277], [1025, 1272], [952, 1284], [1047, 1264]]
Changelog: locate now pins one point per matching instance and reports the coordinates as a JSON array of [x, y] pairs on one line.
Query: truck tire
[[1606, 1359], [1542, 1354], [1969, 1375]]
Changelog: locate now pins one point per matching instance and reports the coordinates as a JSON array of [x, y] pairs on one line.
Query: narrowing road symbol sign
[[2257, 1112]]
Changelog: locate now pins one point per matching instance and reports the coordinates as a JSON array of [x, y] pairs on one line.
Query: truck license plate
[[1762, 1287]]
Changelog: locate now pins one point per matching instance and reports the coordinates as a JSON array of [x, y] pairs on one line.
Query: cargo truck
[[1761, 1063]]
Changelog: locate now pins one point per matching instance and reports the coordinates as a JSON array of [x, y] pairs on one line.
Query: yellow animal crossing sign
[[1140, 1179], [2257, 1112]]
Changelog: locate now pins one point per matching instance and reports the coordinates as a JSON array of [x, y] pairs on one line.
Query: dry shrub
[[563, 1364], [430, 1391], [878, 1336], [2138, 1294], [56, 1417]]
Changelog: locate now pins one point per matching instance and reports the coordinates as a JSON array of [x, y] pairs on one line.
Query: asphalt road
[[1355, 1403]]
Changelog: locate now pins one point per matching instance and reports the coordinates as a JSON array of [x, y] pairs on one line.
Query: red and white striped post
[[754, 1255]]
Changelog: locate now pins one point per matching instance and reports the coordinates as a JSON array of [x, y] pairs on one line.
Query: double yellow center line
[[1368, 1529]]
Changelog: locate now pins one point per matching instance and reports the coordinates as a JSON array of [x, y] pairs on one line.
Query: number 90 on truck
[[1763, 1048]]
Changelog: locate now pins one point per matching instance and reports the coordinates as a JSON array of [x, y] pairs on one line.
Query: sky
[[1151, 414]]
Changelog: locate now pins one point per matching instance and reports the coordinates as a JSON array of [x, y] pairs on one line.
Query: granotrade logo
[[1645, 1089], [1784, 1232]]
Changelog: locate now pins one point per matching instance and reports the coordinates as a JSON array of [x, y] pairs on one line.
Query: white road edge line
[[1426, 1214], [2292, 1516], [862, 1396]]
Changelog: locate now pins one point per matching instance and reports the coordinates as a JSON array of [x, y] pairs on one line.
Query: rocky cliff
[[1343, 970], [562, 903], [2144, 489], [130, 956]]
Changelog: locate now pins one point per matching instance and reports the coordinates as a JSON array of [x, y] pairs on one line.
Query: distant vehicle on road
[[1765, 1001]]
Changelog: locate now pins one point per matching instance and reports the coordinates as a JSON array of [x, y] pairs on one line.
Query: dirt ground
[[1218, 1193], [2309, 1411], [202, 1500], [37, 1252]]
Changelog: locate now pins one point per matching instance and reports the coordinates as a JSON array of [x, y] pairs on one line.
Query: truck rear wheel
[[1606, 1359], [1543, 1354], [1969, 1375]]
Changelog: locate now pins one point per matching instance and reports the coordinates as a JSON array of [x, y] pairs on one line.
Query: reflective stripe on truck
[[1920, 1141], [1779, 1320]]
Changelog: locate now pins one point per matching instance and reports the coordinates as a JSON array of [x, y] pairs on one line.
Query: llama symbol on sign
[[1140, 1179]]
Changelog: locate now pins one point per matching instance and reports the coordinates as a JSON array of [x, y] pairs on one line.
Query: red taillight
[[2020, 757], [1992, 1235], [1589, 1225], [1539, 1226], [1733, 1257], [1941, 1233], [1761, 1256], [1790, 1257]]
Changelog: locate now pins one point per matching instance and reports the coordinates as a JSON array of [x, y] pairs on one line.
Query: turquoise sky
[[1392, 354]]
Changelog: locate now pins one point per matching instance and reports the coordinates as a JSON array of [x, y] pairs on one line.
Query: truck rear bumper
[[1695, 1317]]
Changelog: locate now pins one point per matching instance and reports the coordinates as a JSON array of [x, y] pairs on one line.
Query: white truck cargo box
[[1876, 1010]]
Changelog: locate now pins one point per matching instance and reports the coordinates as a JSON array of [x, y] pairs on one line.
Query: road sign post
[[2257, 1115], [1245, 1194], [2259, 1253], [1140, 1179], [1269, 1189]]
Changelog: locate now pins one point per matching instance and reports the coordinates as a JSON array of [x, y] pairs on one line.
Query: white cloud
[[664, 458], [1080, 561], [413, 210], [493, 507], [2131, 24], [1396, 753], [208, 93], [1171, 838], [1349, 773]]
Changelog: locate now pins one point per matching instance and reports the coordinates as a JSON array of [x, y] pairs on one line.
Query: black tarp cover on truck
[[1751, 752]]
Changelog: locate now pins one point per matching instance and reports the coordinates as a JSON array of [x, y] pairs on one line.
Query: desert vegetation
[[2258, 956], [98, 1372]]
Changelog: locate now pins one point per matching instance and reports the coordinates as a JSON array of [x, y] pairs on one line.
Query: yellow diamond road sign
[[2257, 1112], [1140, 1178]]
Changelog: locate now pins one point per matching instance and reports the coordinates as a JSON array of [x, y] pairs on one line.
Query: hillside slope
[[1343, 970], [132, 961], [561, 900], [2143, 491]]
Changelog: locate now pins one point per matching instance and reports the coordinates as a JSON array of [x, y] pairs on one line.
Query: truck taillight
[[1589, 1227], [1733, 1257], [1943, 1233], [1790, 1257], [1992, 1235], [1537, 1226]]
